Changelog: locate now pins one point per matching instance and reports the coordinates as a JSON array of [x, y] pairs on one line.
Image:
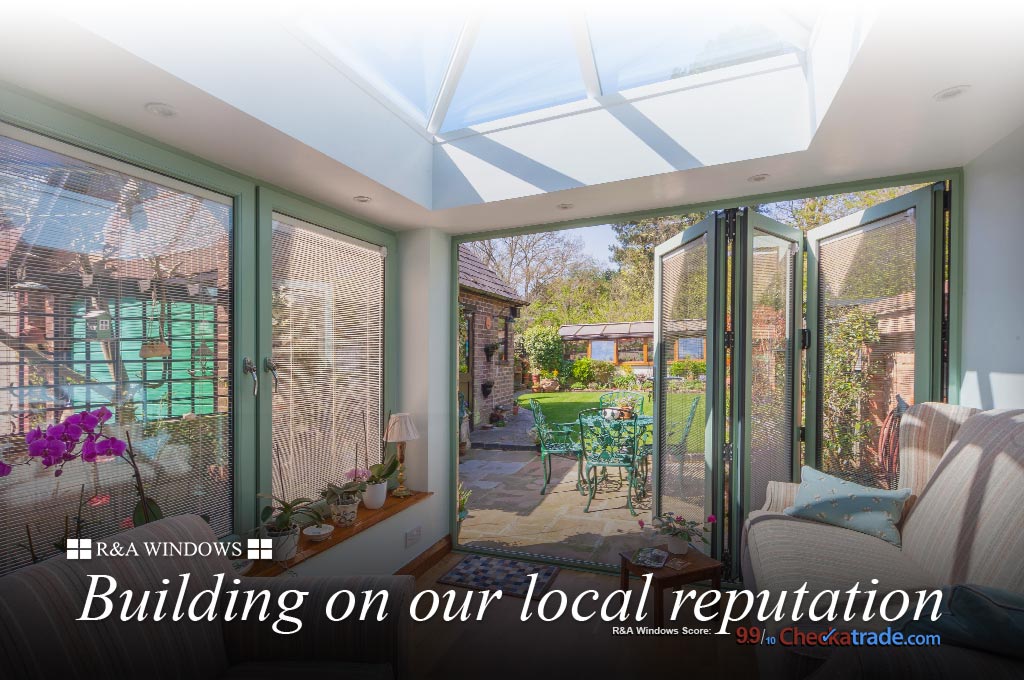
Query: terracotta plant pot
[[375, 495]]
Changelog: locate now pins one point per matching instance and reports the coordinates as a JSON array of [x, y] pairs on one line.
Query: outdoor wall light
[[565, 206], [361, 199], [760, 177]]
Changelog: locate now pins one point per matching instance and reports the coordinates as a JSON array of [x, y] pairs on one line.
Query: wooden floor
[[502, 646]]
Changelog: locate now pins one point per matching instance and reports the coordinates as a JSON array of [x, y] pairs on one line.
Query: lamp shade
[[401, 428]]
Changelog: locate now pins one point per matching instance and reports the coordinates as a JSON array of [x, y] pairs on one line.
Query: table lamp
[[401, 429]]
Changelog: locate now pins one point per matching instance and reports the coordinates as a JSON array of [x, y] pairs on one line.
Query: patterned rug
[[511, 577]]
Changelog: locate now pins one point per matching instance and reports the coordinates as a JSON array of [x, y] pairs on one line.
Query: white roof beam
[[585, 54], [456, 65]]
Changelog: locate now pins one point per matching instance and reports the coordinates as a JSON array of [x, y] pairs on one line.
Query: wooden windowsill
[[364, 520]]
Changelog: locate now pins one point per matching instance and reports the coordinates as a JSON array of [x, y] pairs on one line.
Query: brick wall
[[485, 316]]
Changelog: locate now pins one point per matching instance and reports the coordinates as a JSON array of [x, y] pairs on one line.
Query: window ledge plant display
[[688, 530], [376, 480], [281, 525], [343, 501], [80, 436]]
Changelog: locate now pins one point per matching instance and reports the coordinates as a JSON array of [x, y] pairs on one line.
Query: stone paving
[[514, 436], [508, 511]]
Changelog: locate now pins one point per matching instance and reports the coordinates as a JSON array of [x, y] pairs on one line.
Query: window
[[690, 348], [574, 349], [631, 350], [327, 316], [504, 327], [602, 350], [115, 290]]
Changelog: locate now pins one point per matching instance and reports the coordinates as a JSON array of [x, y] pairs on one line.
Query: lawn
[[565, 407]]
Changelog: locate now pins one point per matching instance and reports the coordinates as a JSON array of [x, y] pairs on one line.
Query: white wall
[[993, 302], [424, 390]]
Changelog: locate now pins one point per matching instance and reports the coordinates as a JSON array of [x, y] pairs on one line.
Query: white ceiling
[[882, 121]]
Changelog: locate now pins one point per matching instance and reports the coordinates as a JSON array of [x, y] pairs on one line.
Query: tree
[[527, 261]]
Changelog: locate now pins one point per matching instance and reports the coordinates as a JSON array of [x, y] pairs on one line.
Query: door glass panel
[[684, 295], [115, 291], [866, 335], [771, 377], [328, 320]]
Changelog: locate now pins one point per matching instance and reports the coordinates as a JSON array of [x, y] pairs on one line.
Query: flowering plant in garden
[[677, 525], [81, 436]]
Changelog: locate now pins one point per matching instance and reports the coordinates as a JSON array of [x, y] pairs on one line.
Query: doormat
[[512, 577]]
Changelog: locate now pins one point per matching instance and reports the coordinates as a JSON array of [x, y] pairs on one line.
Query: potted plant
[[689, 530], [280, 524], [463, 496], [343, 501], [376, 479]]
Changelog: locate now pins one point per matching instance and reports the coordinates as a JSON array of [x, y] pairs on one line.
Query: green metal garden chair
[[556, 439], [611, 442], [620, 397]]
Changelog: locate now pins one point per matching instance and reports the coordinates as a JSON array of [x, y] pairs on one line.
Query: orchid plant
[[669, 524], [81, 436]]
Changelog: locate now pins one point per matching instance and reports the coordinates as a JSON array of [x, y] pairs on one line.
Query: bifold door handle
[[249, 367], [271, 365]]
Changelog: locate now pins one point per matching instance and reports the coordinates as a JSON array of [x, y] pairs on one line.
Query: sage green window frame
[[250, 268], [274, 201], [954, 176]]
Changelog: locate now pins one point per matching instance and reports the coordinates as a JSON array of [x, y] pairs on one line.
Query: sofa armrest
[[321, 639], [780, 495]]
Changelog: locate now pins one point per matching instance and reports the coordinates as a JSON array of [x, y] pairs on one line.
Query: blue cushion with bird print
[[831, 500]]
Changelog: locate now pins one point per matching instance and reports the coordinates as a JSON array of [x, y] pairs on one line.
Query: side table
[[699, 567]]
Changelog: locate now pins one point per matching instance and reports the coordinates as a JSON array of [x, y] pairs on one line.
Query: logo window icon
[[260, 549], [79, 549]]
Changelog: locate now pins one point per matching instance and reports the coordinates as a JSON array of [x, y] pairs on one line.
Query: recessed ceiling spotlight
[[950, 93], [565, 206], [759, 177], [361, 199], [161, 109]]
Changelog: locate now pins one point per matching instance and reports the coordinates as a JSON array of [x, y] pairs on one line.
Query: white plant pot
[[375, 495], [318, 533], [344, 514], [283, 545]]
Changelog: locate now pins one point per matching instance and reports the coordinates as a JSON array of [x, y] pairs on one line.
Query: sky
[[595, 243]]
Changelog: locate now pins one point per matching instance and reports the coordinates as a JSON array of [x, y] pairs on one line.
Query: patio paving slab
[[507, 510]]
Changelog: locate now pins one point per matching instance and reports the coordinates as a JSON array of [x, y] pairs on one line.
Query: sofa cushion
[[278, 670], [966, 526], [926, 431], [840, 502], [783, 552], [41, 602]]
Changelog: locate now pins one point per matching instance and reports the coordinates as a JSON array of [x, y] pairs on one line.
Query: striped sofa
[[40, 638], [964, 524]]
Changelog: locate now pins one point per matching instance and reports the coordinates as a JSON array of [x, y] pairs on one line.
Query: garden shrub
[[583, 370], [688, 368], [578, 387], [604, 371], [543, 347], [623, 382]]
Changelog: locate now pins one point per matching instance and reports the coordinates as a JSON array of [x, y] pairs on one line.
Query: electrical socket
[[412, 536]]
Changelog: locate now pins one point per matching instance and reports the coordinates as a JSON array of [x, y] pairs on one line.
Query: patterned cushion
[[828, 499]]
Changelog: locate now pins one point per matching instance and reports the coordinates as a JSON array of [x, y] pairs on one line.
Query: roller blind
[[328, 336], [115, 290]]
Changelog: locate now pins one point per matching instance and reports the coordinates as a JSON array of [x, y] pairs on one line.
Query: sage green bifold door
[[875, 289], [766, 309], [689, 376]]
